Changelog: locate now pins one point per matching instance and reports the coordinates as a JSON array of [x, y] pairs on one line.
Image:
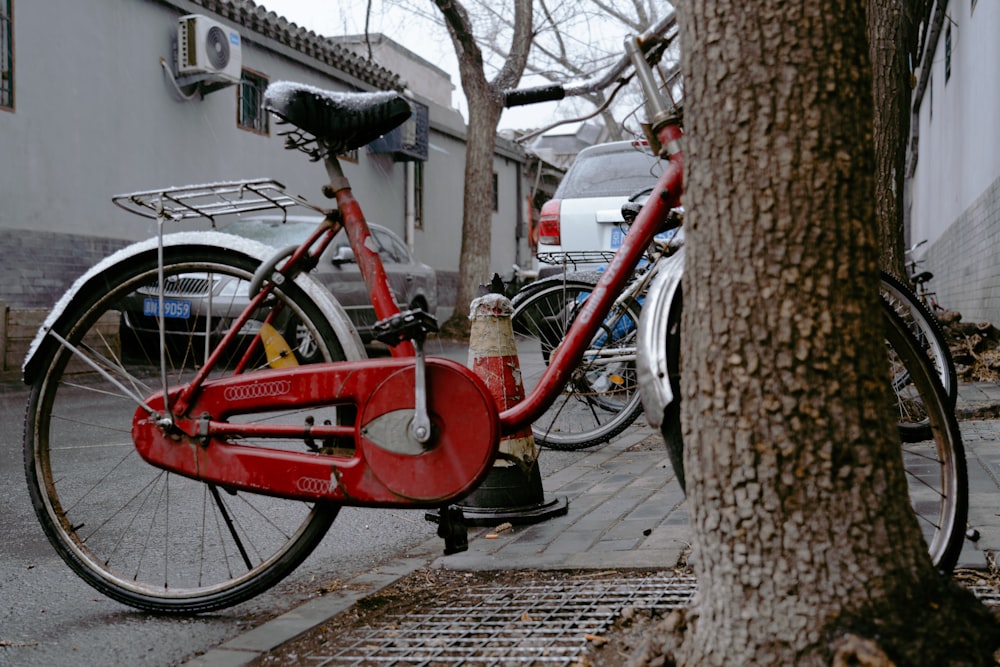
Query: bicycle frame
[[187, 429], [665, 196], [406, 431]]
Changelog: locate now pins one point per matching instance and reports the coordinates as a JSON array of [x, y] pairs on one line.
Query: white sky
[[344, 17]]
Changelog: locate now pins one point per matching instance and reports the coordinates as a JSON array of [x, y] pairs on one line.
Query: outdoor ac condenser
[[208, 50]]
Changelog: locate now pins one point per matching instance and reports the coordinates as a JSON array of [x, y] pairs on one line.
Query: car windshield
[[609, 174], [274, 233]]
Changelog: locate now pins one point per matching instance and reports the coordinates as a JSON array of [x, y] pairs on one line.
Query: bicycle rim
[[935, 465], [145, 537], [600, 400], [925, 329]]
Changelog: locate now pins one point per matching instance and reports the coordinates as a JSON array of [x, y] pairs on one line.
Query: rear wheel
[[139, 534], [600, 400]]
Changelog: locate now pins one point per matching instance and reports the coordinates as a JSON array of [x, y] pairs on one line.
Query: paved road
[[49, 617]]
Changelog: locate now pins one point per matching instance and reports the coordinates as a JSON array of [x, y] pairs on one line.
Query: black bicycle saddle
[[340, 121]]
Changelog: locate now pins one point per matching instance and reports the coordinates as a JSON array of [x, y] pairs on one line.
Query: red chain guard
[[387, 468]]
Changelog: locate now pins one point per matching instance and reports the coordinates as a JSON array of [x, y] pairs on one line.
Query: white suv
[[581, 226]]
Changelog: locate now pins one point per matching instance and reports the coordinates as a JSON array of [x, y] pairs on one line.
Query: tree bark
[[485, 101], [890, 34], [804, 542]]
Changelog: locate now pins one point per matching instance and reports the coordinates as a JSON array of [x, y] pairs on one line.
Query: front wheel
[[935, 464], [141, 535], [927, 333], [601, 398]]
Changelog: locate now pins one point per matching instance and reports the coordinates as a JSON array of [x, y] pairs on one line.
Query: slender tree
[[485, 100], [892, 37], [804, 542]]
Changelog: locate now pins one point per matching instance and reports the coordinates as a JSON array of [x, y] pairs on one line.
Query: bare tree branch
[[513, 67]]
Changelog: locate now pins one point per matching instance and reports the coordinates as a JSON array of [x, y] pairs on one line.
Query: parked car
[[413, 283], [582, 224]]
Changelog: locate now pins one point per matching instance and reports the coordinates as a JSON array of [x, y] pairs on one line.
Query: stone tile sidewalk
[[626, 510]]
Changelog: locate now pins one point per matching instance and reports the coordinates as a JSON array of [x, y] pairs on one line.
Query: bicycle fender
[[652, 350], [93, 279], [538, 285]]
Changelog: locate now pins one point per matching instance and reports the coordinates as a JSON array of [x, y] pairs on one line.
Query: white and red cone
[[512, 491]]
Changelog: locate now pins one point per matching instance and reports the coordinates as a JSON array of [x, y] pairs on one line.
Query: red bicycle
[[188, 466]]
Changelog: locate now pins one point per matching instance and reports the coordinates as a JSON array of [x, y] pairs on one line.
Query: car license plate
[[617, 236], [174, 308]]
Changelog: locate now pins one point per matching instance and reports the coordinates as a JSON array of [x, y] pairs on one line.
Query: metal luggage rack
[[211, 200], [575, 258]]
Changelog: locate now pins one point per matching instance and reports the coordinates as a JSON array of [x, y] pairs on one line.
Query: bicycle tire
[[600, 400], [936, 471], [930, 338], [947, 487], [145, 537]]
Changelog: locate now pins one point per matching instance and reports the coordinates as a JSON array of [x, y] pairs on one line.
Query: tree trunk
[[804, 542], [485, 101], [477, 218], [889, 35]]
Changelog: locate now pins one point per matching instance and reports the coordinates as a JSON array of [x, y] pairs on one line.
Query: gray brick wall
[[37, 267], [965, 261]]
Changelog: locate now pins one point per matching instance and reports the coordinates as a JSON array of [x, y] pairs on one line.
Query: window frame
[[252, 77], [7, 98], [947, 53], [418, 194]]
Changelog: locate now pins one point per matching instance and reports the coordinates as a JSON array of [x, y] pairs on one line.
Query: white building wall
[[956, 181], [95, 116]]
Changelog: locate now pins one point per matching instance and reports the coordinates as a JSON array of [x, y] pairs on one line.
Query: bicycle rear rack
[[211, 200], [575, 258], [205, 201]]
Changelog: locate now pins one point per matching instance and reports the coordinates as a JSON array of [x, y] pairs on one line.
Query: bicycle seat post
[[338, 181]]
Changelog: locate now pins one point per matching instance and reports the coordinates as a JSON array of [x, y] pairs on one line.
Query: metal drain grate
[[538, 624], [544, 624]]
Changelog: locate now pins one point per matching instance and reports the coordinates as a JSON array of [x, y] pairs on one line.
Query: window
[[496, 192], [250, 113], [947, 54], [418, 194], [390, 249], [6, 54]]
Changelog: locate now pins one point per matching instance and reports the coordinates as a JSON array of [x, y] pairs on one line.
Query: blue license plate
[[172, 308]]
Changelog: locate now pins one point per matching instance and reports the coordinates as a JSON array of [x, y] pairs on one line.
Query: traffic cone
[[512, 491]]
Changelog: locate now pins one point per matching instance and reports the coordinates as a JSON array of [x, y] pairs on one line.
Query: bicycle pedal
[[407, 325]]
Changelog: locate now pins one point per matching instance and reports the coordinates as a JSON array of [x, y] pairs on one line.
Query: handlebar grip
[[522, 96]]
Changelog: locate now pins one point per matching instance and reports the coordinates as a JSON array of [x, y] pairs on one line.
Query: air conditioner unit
[[207, 50], [409, 141]]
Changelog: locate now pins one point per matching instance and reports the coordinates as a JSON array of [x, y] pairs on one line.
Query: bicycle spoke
[[230, 525], [152, 539]]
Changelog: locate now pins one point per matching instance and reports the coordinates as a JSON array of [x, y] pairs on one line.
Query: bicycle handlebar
[[557, 91], [522, 96]]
